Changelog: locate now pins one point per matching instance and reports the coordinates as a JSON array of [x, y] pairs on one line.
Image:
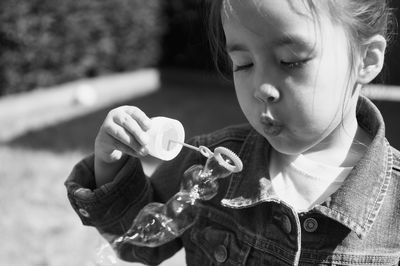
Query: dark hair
[[361, 18]]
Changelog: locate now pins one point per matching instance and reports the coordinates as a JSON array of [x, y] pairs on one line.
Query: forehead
[[265, 13], [266, 7], [273, 18]]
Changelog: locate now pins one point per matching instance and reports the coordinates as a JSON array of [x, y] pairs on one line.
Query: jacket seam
[[383, 188], [115, 190], [117, 218]]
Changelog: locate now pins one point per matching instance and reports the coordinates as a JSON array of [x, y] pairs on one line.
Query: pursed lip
[[270, 126]]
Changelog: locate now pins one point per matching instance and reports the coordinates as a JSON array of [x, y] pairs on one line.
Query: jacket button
[[84, 212], [286, 224], [310, 225], [220, 254]]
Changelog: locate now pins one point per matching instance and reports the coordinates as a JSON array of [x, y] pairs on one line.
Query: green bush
[[47, 42]]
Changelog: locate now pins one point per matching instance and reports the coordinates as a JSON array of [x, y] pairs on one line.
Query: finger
[[138, 115], [111, 149], [119, 134], [141, 152], [131, 128]]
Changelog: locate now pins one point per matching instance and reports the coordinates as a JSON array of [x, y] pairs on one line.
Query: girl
[[320, 183]]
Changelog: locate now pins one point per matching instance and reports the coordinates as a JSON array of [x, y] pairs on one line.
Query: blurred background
[[64, 65]]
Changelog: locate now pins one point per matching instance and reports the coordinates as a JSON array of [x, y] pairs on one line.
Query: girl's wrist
[[105, 172]]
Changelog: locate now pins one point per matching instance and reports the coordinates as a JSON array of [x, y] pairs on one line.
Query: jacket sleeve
[[112, 207]]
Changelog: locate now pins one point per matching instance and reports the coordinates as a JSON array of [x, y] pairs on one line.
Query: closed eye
[[242, 67], [295, 64]]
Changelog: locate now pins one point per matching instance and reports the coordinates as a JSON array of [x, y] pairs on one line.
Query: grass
[[38, 226]]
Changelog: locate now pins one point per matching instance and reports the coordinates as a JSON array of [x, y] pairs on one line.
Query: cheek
[[335, 69], [312, 114], [243, 92], [330, 97], [328, 87], [245, 102], [248, 104]]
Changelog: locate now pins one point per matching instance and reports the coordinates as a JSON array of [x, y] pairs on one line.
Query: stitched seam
[[244, 154], [117, 218], [245, 235], [115, 190], [341, 215], [384, 187], [223, 135]]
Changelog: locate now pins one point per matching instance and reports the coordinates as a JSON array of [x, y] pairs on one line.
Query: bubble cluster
[[158, 223]]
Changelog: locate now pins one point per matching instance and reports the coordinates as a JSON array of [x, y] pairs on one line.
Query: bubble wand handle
[[202, 149]]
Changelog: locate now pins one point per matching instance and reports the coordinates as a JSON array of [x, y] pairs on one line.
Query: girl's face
[[291, 72]]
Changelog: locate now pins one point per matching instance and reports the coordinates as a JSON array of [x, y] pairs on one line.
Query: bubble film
[[158, 223]]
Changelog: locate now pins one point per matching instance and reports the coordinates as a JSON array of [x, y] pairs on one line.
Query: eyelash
[[296, 64], [290, 65], [243, 67]]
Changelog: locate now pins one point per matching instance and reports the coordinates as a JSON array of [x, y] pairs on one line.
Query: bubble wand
[[159, 223]]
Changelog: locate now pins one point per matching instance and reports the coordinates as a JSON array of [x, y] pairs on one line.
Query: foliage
[[47, 42], [185, 44]]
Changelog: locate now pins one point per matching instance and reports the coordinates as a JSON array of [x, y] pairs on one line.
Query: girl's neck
[[343, 148]]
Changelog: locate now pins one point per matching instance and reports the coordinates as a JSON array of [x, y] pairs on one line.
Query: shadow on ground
[[202, 105]]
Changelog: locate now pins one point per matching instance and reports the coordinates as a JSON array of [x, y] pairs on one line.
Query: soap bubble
[[158, 223], [105, 256]]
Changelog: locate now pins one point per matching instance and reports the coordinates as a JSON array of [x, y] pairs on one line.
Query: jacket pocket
[[218, 246]]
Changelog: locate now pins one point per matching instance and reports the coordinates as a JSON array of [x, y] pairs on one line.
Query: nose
[[267, 93]]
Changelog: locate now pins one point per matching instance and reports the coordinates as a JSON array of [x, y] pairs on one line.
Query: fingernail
[[143, 151], [147, 124], [145, 139], [83, 192]]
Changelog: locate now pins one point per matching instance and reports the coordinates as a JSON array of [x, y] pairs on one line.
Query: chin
[[287, 147], [284, 143]]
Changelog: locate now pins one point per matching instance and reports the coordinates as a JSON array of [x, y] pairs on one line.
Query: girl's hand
[[122, 132]]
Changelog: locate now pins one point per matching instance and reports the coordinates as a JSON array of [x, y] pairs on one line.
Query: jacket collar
[[355, 204]]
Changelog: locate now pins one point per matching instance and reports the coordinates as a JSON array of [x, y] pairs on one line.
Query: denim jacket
[[246, 223]]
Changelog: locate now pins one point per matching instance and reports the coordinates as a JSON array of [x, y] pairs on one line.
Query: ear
[[372, 59]]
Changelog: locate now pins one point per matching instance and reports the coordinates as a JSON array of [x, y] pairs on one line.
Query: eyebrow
[[293, 39], [235, 48], [286, 40]]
